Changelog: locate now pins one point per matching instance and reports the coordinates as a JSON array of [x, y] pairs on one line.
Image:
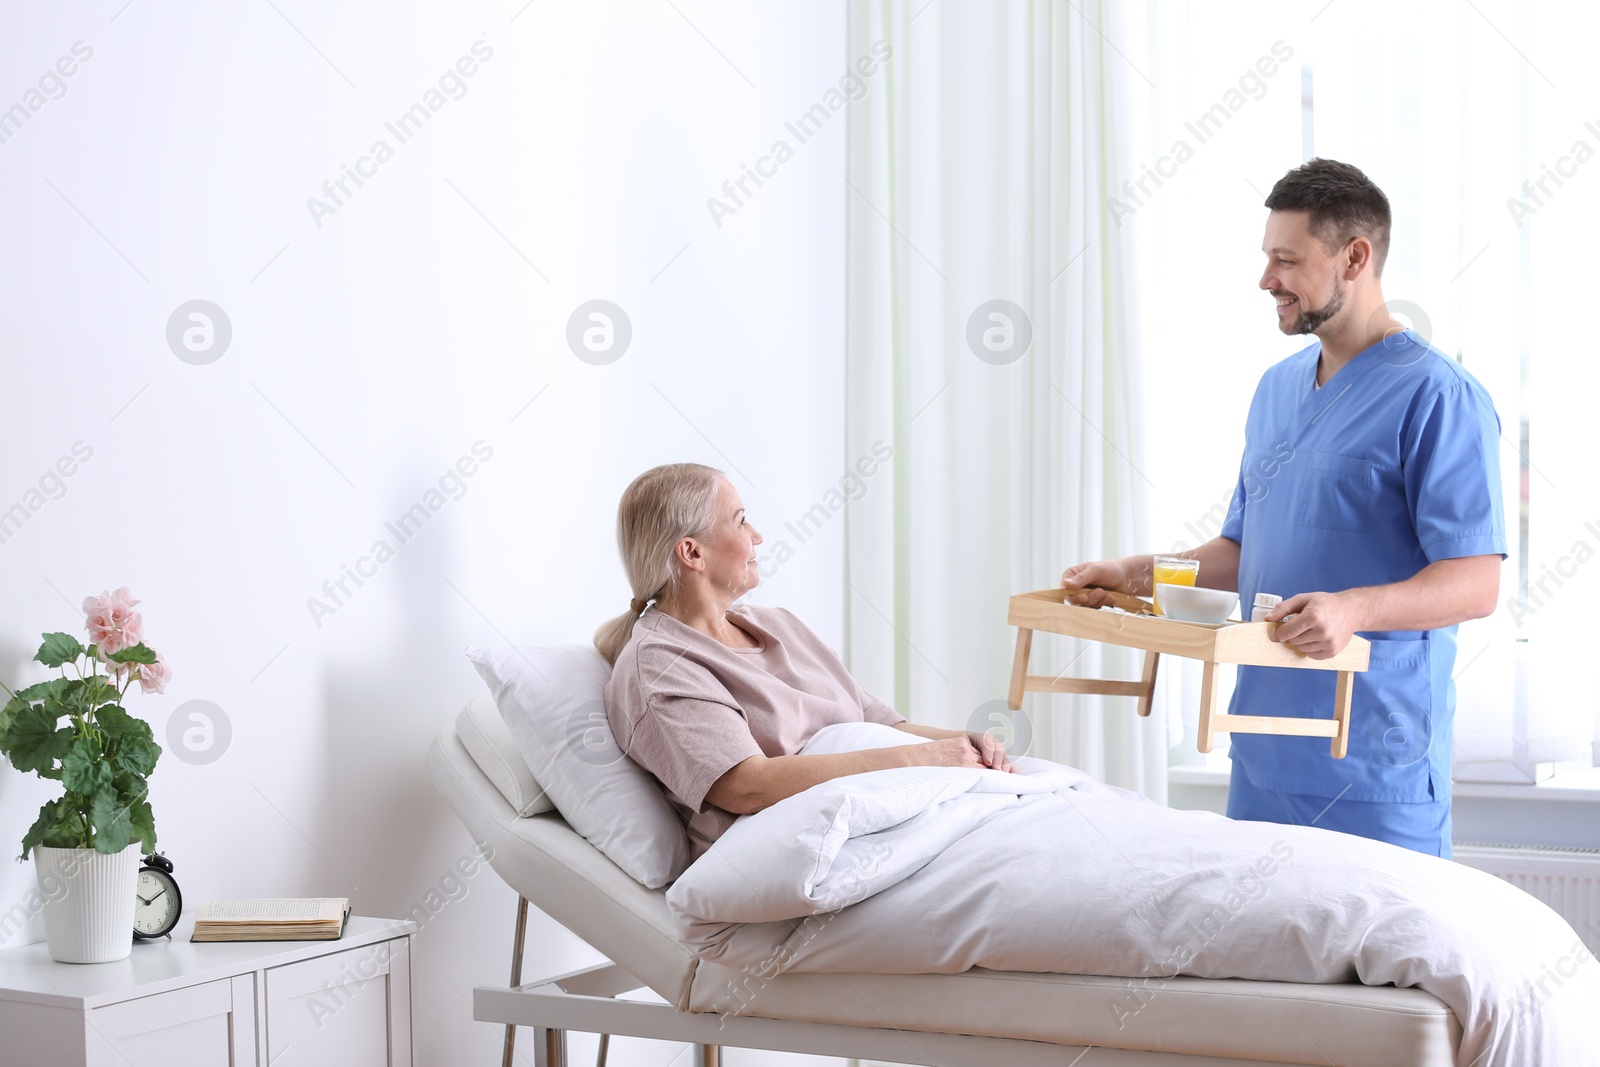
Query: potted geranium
[[73, 729]]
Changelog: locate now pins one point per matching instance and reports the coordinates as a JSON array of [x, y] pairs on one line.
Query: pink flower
[[112, 623], [153, 677]]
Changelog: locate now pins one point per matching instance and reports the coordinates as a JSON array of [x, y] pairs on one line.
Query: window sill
[[1582, 786], [1193, 775]]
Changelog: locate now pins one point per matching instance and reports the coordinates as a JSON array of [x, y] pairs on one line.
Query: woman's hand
[[949, 752], [986, 749], [991, 751], [963, 750]]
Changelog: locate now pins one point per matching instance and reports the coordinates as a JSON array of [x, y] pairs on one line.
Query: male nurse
[[1369, 499]]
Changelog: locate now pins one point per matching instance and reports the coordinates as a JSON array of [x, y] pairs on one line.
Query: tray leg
[[1148, 680], [1343, 689], [1208, 700], [1019, 669]]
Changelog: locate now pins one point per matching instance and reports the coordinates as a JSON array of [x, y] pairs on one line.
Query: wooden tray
[[1247, 643]]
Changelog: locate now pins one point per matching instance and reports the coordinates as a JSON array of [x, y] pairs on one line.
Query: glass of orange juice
[[1173, 570]]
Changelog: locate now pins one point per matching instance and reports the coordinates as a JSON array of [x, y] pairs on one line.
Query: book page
[[274, 909]]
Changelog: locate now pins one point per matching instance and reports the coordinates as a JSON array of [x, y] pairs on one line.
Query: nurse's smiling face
[[1303, 277]]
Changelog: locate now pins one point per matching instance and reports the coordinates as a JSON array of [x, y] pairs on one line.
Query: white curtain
[[1454, 122], [980, 164]]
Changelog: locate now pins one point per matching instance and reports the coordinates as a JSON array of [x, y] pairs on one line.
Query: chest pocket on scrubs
[[1338, 492]]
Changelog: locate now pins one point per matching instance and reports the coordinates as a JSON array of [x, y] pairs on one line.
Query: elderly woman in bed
[[717, 701]]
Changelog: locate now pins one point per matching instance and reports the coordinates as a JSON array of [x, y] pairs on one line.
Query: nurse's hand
[[1323, 623], [1102, 575]]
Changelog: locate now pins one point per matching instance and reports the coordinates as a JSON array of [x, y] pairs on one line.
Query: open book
[[272, 919]]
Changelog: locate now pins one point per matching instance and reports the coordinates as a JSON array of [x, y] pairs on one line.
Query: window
[[1472, 118]]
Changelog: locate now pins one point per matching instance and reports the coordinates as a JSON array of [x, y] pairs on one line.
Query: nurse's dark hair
[[1343, 203]]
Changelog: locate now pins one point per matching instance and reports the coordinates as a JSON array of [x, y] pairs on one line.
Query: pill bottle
[[1264, 604]]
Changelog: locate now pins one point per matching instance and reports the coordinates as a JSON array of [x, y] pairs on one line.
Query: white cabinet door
[[346, 1009], [201, 1026]]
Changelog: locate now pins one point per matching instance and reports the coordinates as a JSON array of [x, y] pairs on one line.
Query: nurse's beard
[[1312, 318]]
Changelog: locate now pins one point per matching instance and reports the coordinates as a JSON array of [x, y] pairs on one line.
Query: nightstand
[[344, 1003]]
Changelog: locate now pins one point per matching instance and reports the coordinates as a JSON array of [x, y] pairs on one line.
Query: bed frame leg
[[707, 1055], [516, 977], [551, 1049]]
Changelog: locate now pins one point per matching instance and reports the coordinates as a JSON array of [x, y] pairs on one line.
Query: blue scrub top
[[1394, 463]]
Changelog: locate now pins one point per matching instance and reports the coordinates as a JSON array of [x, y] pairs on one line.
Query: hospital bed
[[978, 1017]]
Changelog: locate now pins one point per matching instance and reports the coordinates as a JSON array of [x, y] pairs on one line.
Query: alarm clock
[[158, 902]]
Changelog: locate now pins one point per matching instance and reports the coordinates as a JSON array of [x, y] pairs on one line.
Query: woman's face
[[729, 551]]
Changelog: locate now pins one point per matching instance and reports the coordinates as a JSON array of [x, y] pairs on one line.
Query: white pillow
[[840, 842], [553, 703]]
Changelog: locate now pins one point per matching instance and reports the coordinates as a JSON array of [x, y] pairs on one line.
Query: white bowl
[[1192, 603]]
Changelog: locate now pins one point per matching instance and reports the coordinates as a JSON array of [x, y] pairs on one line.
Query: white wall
[[368, 353]]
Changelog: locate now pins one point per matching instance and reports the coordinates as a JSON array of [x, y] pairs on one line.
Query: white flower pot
[[88, 902]]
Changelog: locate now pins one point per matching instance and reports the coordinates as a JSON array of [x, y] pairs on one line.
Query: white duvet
[[944, 869]]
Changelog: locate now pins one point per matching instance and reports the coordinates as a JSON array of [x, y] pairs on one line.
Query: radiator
[[1567, 879]]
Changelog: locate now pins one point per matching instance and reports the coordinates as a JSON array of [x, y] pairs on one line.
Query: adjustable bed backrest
[[486, 781], [488, 741]]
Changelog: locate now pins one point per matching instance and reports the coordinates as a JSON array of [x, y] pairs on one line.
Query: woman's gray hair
[[658, 509]]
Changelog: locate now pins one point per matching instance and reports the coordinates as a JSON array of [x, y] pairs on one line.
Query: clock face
[[157, 905]]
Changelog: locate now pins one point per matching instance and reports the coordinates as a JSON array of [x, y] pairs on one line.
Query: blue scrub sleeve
[[1233, 523], [1452, 475]]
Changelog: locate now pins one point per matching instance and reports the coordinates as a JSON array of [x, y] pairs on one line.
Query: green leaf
[[136, 755], [58, 688], [140, 653], [113, 721], [35, 834], [8, 713], [144, 825], [96, 691], [83, 770], [75, 695], [131, 748], [112, 820], [59, 825], [32, 741], [70, 832], [58, 649]]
